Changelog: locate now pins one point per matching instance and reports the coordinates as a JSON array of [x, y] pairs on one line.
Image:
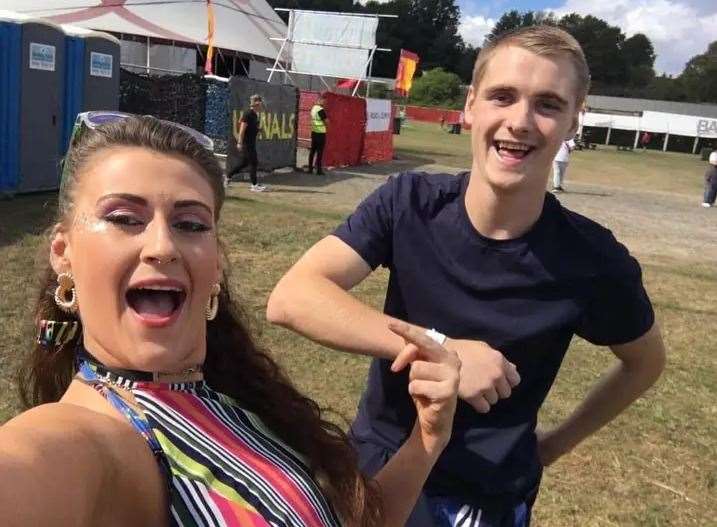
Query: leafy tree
[[639, 56], [437, 87], [515, 20], [700, 76]]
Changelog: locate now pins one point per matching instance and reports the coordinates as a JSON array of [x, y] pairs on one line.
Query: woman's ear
[[60, 250]]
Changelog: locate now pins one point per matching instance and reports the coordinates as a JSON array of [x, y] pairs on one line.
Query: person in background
[[507, 277], [246, 141], [319, 124], [151, 402], [711, 182], [645, 139], [560, 164]]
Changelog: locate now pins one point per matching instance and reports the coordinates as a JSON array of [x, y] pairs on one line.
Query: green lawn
[[655, 466], [636, 170]]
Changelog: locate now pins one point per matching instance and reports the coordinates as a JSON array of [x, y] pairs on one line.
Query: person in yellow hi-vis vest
[[319, 122]]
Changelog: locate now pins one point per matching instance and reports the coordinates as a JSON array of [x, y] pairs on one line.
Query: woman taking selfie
[[151, 403]]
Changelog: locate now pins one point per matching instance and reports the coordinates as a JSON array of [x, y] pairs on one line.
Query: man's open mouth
[[512, 149], [156, 302]]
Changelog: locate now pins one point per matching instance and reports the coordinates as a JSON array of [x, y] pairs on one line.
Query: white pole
[[694, 146], [607, 139], [637, 137], [664, 145], [147, 55]]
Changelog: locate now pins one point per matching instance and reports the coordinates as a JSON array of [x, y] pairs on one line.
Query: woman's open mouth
[[156, 305]]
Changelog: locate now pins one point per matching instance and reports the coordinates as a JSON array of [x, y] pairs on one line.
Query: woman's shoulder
[[71, 448]]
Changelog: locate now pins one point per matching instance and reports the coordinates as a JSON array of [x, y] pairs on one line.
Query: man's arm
[[639, 366], [313, 300], [240, 136]]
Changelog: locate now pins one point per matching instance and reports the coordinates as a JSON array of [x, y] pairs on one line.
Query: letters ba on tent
[[707, 127]]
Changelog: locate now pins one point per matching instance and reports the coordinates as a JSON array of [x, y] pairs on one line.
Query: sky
[[678, 29]]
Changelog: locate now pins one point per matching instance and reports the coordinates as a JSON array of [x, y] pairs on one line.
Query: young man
[[246, 141], [497, 264], [319, 122], [560, 164], [710, 182]]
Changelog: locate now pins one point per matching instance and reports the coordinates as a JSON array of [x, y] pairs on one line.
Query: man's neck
[[502, 215]]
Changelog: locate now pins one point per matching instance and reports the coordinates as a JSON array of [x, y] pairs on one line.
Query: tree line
[[619, 66]]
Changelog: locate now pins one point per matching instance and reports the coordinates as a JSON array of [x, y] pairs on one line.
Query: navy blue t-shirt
[[525, 297]]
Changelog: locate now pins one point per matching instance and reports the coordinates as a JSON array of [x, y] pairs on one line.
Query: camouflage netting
[[181, 99]]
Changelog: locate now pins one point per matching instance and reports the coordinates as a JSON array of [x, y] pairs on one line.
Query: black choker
[[188, 375]]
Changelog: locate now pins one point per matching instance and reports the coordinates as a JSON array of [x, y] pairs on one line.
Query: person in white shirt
[[560, 164]]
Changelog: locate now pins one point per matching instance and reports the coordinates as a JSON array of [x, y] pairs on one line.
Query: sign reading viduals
[[42, 56], [276, 142]]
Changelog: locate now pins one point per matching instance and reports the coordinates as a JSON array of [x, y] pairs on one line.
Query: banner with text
[[276, 142]]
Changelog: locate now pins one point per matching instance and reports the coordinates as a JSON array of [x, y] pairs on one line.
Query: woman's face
[[141, 245]]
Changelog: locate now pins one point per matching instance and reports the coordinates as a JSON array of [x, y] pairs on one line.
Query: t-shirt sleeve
[[369, 229], [619, 310], [322, 115]]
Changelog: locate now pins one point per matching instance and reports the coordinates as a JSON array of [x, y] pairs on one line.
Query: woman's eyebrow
[[191, 203]]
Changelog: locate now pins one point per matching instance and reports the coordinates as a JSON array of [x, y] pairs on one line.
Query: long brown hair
[[234, 364]]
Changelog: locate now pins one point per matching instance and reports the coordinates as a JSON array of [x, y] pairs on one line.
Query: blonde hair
[[541, 40]]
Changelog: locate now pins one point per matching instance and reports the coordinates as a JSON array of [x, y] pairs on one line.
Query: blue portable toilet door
[[42, 92]]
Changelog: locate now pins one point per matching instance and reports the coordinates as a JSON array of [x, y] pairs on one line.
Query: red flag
[[404, 74], [348, 84]]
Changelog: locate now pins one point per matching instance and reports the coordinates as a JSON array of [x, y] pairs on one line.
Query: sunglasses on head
[[93, 119]]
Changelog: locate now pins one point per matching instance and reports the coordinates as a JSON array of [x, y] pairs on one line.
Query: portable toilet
[[10, 47], [42, 72], [91, 75], [73, 79], [102, 72]]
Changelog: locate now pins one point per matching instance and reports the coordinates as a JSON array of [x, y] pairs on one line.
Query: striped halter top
[[222, 465]]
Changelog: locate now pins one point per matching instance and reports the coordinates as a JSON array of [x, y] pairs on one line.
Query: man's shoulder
[[423, 190], [587, 236]]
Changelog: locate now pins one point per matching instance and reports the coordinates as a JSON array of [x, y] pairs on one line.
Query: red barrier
[[347, 142], [306, 101], [432, 115], [378, 146], [347, 122]]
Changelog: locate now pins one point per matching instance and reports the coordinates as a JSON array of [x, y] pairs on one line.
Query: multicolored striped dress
[[223, 466]]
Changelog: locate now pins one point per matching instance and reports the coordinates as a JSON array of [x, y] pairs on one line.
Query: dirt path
[[654, 225]]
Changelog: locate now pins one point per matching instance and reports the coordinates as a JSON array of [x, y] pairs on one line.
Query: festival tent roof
[[241, 25]]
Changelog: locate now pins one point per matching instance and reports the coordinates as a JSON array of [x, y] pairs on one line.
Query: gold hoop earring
[[213, 305], [66, 284]]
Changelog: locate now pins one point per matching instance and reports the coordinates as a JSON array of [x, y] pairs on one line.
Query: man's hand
[[240, 146], [486, 375]]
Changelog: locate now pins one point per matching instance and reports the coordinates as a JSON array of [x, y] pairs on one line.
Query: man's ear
[[60, 250], [468, 108], [574, 127]]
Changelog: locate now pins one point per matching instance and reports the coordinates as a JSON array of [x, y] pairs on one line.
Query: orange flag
[[404, 74], [210, 37]]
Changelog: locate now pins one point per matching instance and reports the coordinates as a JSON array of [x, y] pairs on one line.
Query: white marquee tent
[[245, 26]]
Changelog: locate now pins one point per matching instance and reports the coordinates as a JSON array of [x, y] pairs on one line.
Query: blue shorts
[[454, 512], [451, 511]]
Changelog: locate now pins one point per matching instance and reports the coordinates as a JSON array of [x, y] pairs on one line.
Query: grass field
[[654, 466]]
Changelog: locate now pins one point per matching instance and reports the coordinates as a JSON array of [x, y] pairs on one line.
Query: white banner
[[378, 115], [656, 122], [331, 45]]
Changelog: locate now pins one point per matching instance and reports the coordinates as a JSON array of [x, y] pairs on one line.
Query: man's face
[[257, 106], [521, 111]]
